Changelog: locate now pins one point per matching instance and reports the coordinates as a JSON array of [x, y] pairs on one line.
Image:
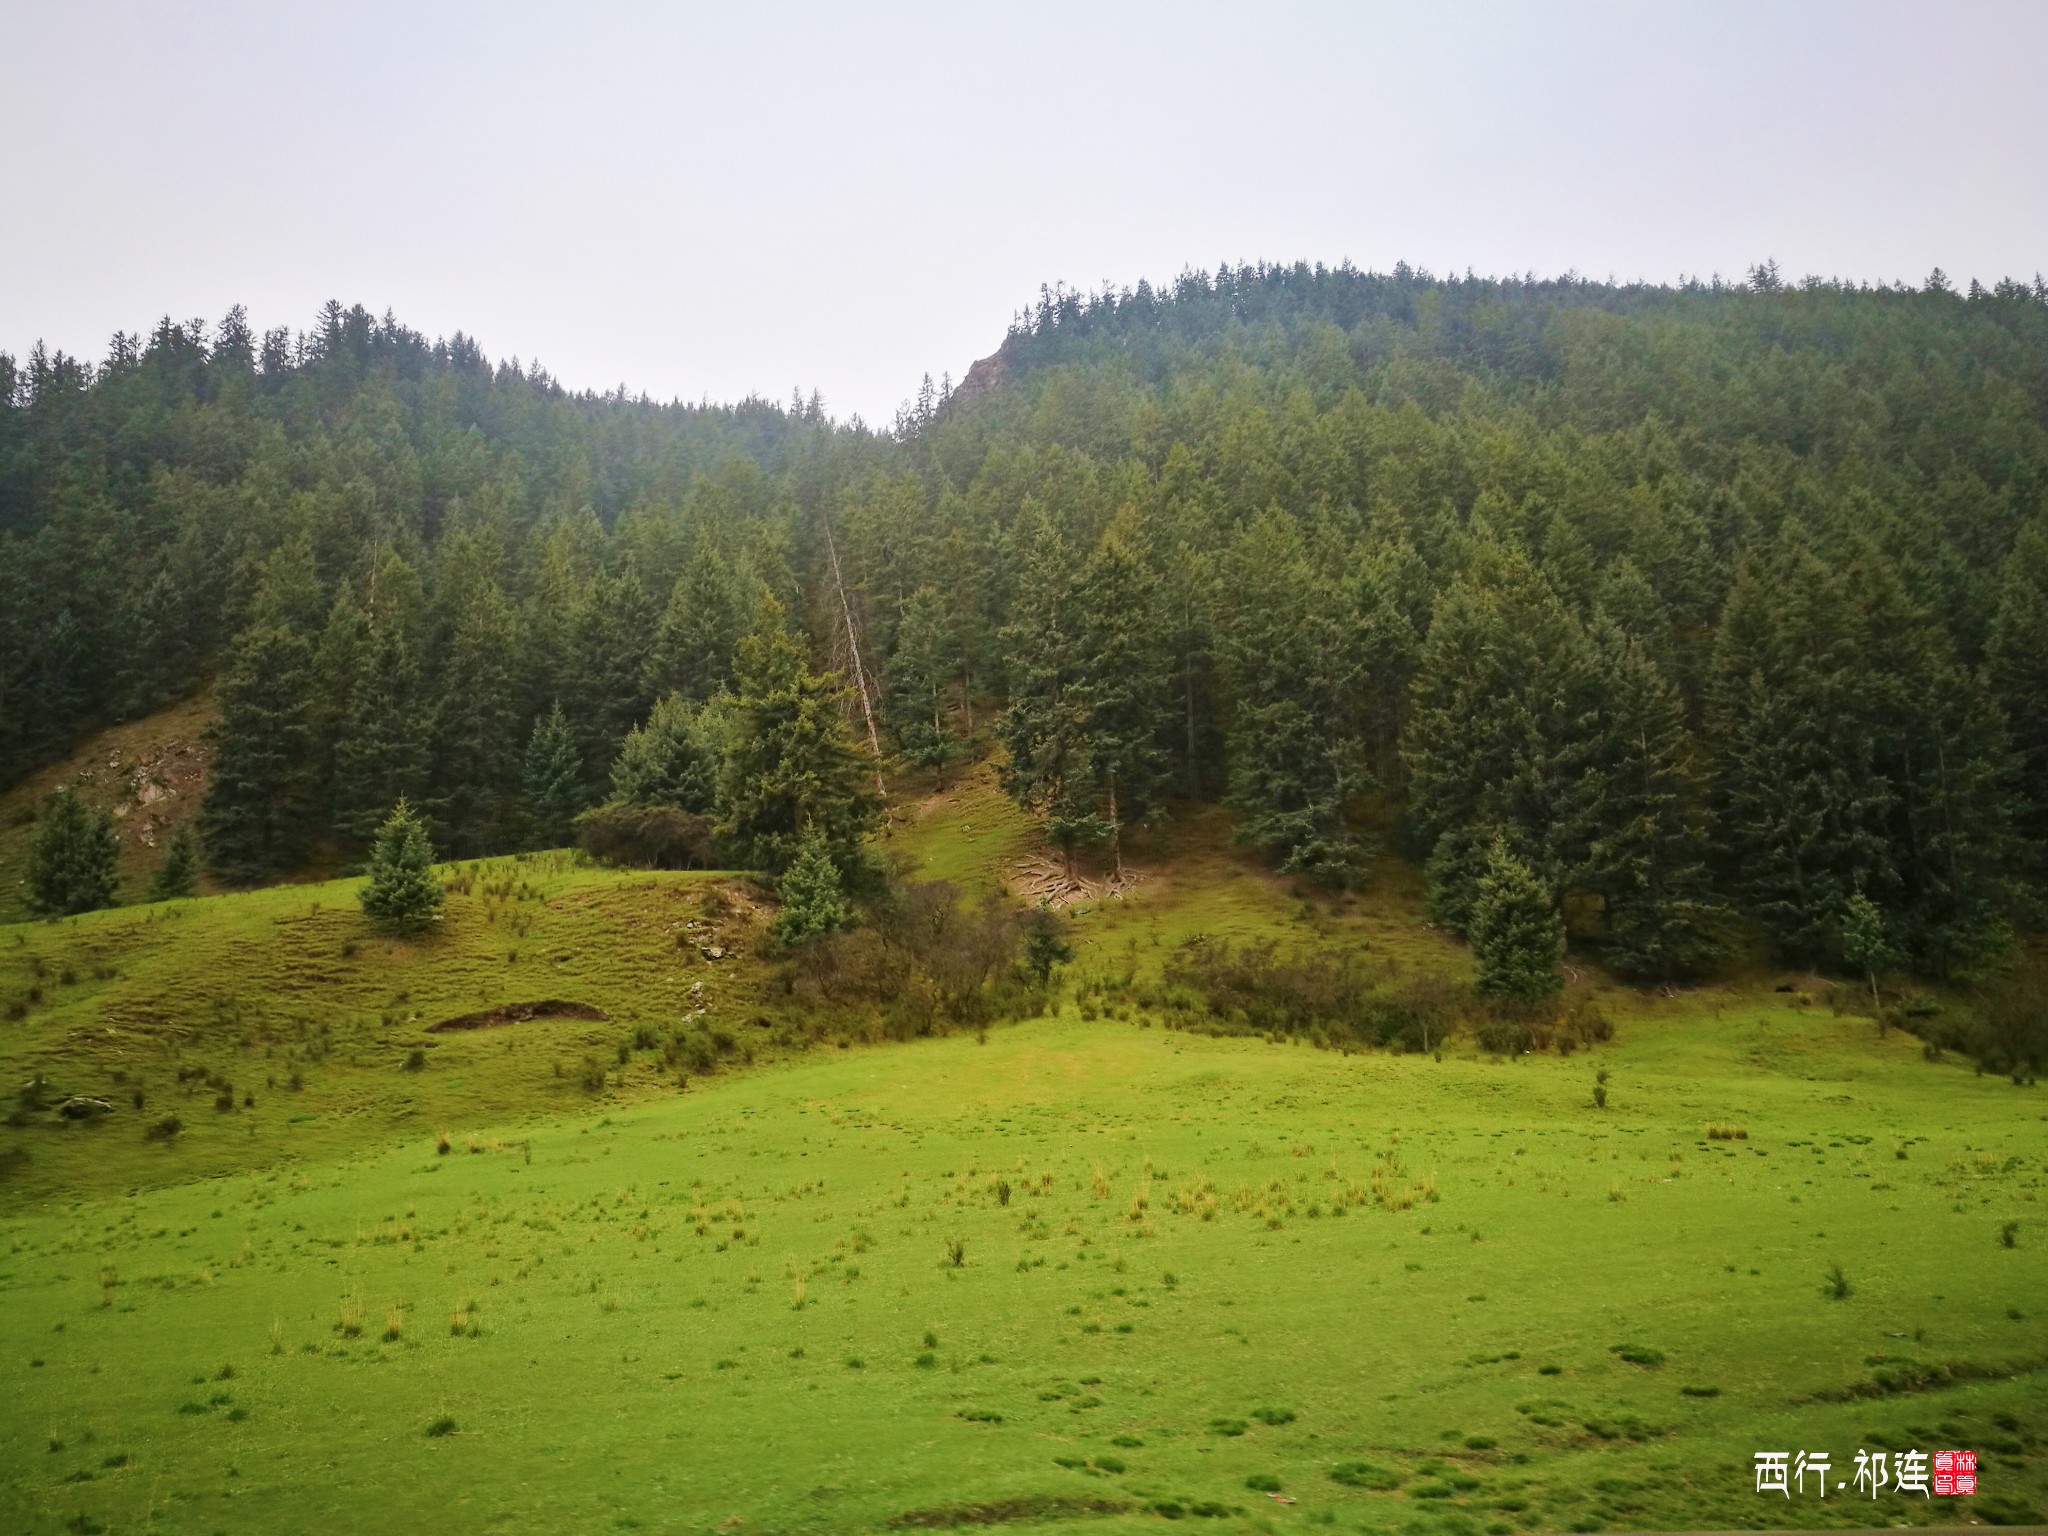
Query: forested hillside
[[1693, 611]]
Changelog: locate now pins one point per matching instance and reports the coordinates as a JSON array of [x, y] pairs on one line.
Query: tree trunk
[[860, 675]]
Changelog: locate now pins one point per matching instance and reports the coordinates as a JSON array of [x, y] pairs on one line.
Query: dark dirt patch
[[1005, 1512], [518, 1013]]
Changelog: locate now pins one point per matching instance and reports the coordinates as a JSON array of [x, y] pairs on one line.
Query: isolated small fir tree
[[812, 900], [71, 863], [178, 874], [1045, 944], [401, 892], [1517, 933], [553, 779]]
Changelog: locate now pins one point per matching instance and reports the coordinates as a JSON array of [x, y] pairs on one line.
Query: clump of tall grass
[[1721, 1131], [349, 1319]]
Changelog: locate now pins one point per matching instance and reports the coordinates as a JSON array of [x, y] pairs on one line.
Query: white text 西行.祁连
[[1945, 1474]]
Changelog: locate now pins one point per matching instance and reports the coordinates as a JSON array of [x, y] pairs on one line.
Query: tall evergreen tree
[[1090, 698], [1506, 706], [259, 817], [380, 716], [701, 625], [1647, 848], [2016, 666], [1123, 686], [1044, 728], [553, 779], [71, 861], [918, 679], [1296, 758], [668, 761], [790, 770], [476, 746]]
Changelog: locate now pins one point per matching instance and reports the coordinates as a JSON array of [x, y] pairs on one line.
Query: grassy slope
[[631, 1268], [258, 987]]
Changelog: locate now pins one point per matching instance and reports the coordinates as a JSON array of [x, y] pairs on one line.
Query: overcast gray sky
[[707, 201]]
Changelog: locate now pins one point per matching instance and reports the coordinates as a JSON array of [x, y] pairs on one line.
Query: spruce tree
[[790, 770], [1646, 855], [476, 717], [1090, 689], [813, 901], [401, 893], [1517, 932], [701, 626], [1505, 714], [1293, 666], [2016, 666], [553, 780], [178, 874], [259, 816], [71, 862], [1122, 686], [610, 640], [667, 761], [381, 720], [1044, 729], [917, 680]]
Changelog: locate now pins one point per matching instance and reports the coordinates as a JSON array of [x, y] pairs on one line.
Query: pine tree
[[379, 720], [259, 817], [1090, 692], [1858, 757], [1506, 706], [1647, 849], [917, 680], [610, 640], [1122, 686], [401, 893], [1044, 728], [812, 899], [178, 874], [71, 861], [701, 626], [553, 780], [667, 761], [1295, 755], [1517, 931], [2016, 666], [790, 770], [476, 747]]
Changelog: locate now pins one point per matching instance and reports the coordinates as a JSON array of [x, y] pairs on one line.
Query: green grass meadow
[[1077, 1272]]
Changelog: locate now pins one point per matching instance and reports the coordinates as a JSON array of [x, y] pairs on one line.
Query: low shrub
[[647, 837]]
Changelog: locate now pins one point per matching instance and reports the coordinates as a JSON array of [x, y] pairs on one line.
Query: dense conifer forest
[[1674, 618]]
